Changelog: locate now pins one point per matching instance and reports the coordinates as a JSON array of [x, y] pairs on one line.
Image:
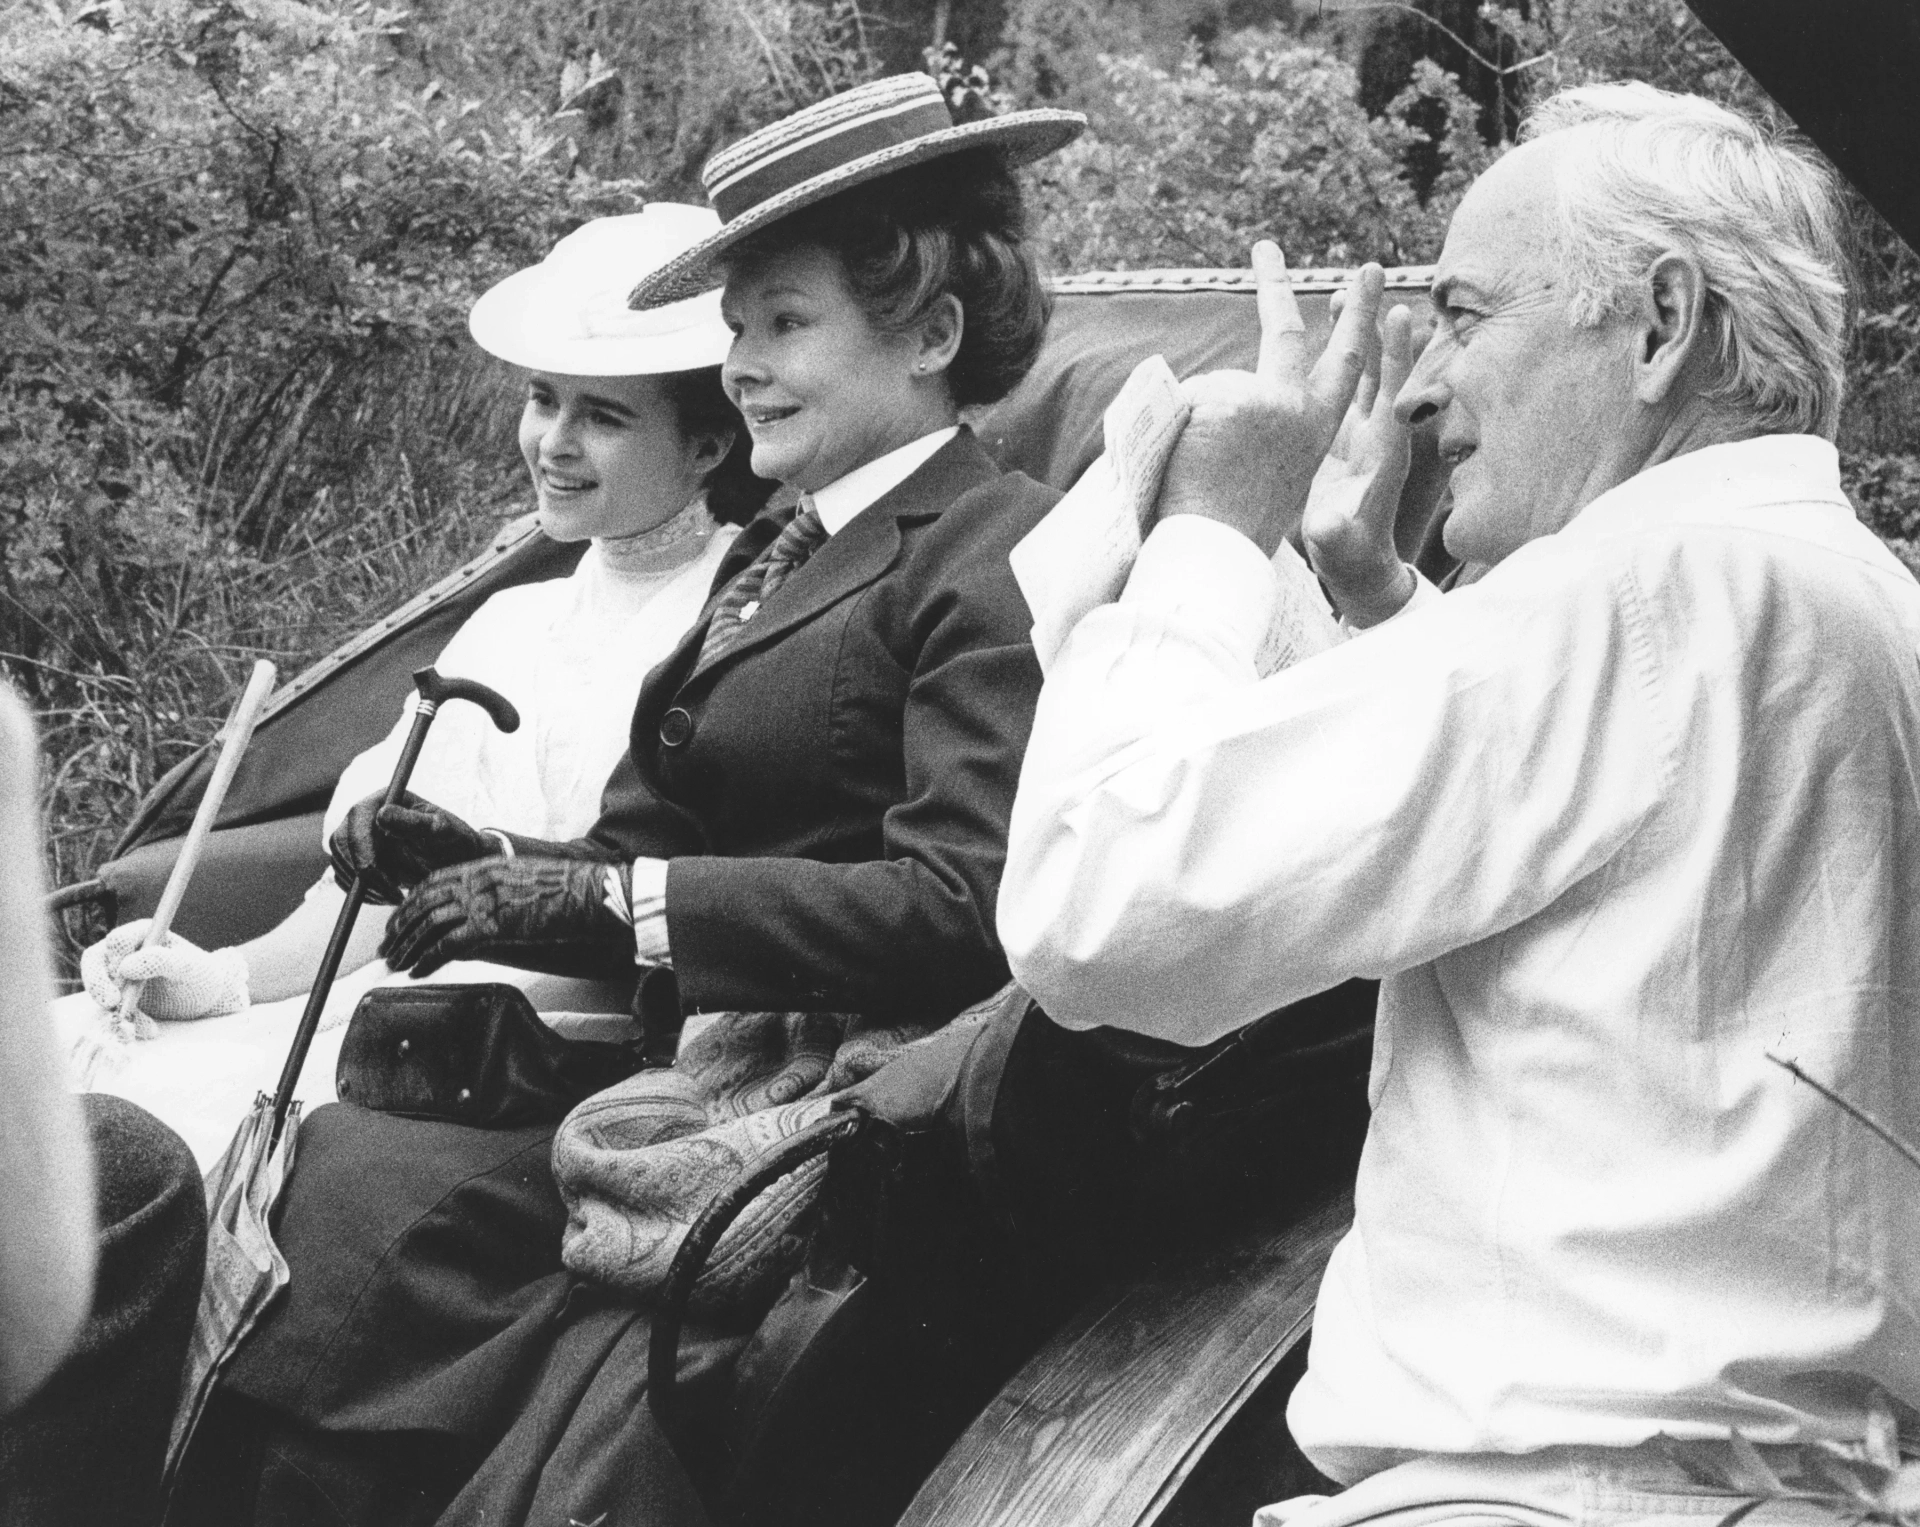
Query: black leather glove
[[398, 846], [539, 914]]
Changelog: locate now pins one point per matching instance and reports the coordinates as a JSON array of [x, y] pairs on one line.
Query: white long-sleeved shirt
[[1638, 806]]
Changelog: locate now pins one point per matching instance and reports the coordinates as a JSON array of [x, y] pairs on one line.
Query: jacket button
[[676, 728]]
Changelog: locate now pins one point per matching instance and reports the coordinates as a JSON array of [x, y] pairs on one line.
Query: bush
[[237, 412], [649, 88], [1189, 166]]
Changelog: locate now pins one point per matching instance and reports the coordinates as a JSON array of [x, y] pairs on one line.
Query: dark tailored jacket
[[833, 793]]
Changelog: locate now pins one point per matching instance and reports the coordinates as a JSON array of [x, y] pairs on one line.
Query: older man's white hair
[[1645, 172]]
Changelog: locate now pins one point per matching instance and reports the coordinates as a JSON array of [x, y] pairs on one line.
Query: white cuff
[[1425, 591], [1200, 573], [649, 887], [500, 837]]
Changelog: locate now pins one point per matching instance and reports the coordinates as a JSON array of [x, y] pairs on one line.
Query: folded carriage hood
[[347, 701]]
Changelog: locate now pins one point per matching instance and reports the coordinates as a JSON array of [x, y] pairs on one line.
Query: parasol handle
[[235, 736], [433, 692]]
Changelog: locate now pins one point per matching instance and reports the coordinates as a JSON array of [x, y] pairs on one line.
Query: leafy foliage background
[[239, 415]]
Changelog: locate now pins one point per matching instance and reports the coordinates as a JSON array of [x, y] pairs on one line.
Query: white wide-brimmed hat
[[856, 136], [569, 313]]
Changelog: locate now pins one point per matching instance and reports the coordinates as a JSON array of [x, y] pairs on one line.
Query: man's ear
[[938, 336], [1672, 342]]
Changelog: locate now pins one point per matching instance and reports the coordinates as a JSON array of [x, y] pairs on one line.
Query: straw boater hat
[[569, 313], [869, 131]]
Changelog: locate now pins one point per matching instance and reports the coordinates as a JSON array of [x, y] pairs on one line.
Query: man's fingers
[[1396, 358], [1336, 375], [1370, 390], [1370, 377], [1283, 333]]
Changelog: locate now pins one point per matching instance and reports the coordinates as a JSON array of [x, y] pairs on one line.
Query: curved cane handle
[[435, 691]]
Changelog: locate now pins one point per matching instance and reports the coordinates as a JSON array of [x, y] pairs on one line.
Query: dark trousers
[[87, 1449]]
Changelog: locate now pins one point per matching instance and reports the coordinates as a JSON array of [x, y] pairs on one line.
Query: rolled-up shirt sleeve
[[1193, 846]]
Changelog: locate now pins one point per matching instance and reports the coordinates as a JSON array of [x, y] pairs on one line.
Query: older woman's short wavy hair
[[956, 225], [1643, 172]]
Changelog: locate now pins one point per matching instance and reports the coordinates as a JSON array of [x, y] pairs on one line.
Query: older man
[[1637, 808]]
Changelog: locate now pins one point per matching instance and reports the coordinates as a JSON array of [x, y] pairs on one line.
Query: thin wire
[[1844, 1106]]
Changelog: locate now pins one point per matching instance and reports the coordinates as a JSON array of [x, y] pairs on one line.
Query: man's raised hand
[[1350, 513], [1249, 453]]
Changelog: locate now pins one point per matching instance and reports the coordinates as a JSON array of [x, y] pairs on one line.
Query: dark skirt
[[431, 1360]]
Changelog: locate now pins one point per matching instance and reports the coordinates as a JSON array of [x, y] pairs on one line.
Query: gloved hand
[[398, 846], [540, 914], [180, 979]]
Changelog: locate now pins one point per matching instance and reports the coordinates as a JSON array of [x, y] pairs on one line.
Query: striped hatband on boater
[[823, 137], [843, 141]]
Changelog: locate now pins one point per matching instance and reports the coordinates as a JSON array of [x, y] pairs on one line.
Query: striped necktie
[[755, 585]]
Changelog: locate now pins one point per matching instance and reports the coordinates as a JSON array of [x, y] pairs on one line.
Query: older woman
[[807, 831], [633, 448]]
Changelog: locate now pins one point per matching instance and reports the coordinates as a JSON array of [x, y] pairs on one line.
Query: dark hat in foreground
[[860, 135]]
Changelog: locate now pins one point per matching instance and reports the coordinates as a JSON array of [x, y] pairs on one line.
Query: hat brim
[[507, 321], [1022, 136]]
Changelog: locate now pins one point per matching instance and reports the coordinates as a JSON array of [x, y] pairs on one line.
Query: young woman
[[807, 830], [633, 448]]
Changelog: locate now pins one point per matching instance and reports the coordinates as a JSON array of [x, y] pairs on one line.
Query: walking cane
[[434, 691]]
